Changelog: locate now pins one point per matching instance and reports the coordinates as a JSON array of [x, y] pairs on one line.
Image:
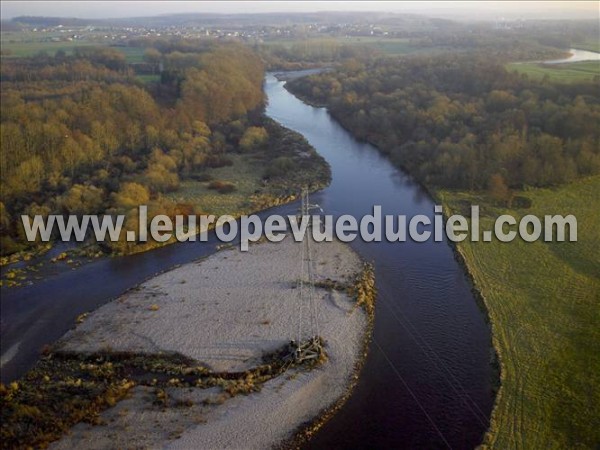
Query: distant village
[[248, 33]]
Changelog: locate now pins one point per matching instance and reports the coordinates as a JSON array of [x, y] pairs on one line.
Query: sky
[[479, 10]]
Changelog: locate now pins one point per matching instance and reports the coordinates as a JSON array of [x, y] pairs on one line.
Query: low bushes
[[222, 187]]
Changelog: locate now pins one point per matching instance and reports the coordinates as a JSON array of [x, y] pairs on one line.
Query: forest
[[463, 121], [474, 133], [81, 134]]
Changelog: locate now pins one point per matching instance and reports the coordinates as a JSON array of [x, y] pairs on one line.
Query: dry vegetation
[[66, 388]]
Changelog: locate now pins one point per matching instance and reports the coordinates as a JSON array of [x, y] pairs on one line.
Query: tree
[[81, 199], [130, 195], [28, 177], [79, 134], [499, 190], [5, 220], [201, 129], [153, 57], [253, 138]]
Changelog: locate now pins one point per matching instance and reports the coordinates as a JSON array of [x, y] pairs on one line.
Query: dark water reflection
[[429, 387]]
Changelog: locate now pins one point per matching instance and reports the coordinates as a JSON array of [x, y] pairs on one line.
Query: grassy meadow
[[22, 49], [148, 78], [390, 46], [23, 44], [20, 44], [544, 305], [563, 73], [385, 45], [243, 174]]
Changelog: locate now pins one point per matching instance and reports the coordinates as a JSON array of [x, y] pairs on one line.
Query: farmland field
[[24, 44], [391, 46], [564, 73], [542, 300]]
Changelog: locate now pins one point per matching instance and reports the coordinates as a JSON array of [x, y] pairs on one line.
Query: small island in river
[[200, 356]]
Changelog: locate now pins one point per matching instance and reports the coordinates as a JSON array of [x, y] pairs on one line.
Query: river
[[427, 379], [576, 56]]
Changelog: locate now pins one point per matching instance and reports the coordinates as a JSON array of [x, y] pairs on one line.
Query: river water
[[427, 379], [576, 56]]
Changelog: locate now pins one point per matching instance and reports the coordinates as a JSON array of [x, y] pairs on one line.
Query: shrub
[[521, 202], [202, 177], [215, 161], [279, 167], [222, 187], [253, 138]]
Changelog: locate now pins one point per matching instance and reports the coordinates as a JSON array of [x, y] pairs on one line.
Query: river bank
[[525, 305], [225, 314], [254, 181], [466, 264], [427, 322], [426, 316], [541, 299]]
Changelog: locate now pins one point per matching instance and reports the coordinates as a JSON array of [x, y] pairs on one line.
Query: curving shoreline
[[496, 361], [157, 317]]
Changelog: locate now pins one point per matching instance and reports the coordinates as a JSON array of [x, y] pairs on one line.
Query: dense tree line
[[458, 120], [506, 45], [310, 53], [80, 135], [515, 42]]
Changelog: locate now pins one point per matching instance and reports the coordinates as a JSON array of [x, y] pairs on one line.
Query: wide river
[[427, 379]]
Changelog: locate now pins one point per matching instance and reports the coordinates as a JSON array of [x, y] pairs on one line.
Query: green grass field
[[544, 304], [133, 54], [244, 174], [391, 46], [148, 78], [563, 73], [24, 44], [25, 49]]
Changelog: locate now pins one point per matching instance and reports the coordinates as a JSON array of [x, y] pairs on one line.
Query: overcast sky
[[473, 9]]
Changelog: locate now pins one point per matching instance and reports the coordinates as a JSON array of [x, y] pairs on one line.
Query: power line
[[454, 382], [307, 298], [397, 372]]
